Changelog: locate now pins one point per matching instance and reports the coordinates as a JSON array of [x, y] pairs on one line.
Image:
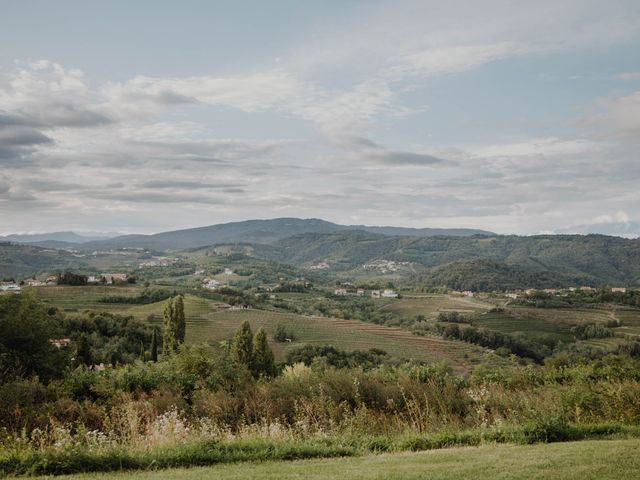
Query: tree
[[263, 361], [154, 345], [26, 329], [242, 347], [83, 351], [181, 326], [174, 325]]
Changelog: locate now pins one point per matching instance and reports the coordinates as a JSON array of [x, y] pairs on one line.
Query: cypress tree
[[169, 344], [242, 348], [83, 351], [174, 325], [263, 361], [154, 345], [180, 323]]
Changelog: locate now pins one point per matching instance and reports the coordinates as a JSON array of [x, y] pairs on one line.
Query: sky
[[511, 116]]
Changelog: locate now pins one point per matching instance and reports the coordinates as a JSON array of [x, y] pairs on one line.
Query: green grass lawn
[[597, 459]]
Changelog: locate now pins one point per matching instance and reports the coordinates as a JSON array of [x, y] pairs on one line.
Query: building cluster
[[348, 289], [158, 262], [319, 266], [211, 284], [9, 287], [385, 266]]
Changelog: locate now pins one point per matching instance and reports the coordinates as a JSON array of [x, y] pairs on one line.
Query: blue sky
[[516, 117]]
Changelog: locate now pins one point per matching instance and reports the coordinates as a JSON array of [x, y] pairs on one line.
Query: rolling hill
[[260, 232], [542, 260]]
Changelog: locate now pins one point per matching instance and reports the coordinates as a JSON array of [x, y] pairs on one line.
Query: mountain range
[[249, 231]]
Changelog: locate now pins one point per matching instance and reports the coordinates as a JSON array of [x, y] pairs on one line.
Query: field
[[207, 323], [585, 460], [430, 305], [516, 322]]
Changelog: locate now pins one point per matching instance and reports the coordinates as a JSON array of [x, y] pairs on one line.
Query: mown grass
[[605, 460], [77, 460]]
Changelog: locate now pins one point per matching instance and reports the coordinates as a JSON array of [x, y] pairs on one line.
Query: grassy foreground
[[603, 459]]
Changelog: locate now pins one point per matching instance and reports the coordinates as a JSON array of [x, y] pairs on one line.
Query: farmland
[[207, 323]]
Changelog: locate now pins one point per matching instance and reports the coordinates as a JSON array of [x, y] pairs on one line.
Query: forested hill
[[256, 231], [551, 259], [20, 261]]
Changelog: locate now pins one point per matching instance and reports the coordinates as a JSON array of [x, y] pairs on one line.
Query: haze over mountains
[[250, 231], [460, 258]]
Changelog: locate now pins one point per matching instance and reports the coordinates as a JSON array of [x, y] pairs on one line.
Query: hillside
[[20, 261], [257, 231], [545, 260], [483, 275]]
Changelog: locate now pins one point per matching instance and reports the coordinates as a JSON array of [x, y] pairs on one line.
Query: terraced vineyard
[[516, 322], [72, 299], [430, 305]]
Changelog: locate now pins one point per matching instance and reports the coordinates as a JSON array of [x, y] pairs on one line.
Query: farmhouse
[[619, 290], [60, 342], [32, 282], [319, 266], [10, 287], [115, 277], [388, 293], [375, 293], [211, 284], [340, 292]]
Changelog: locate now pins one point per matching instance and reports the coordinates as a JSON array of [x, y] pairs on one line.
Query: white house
[[341, 292], [375, 293], [619, 290], [11, 287], [388, 293], [211, 284]]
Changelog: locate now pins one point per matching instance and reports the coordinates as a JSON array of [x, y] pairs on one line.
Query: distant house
[[375, 294], [211, 284], [10, 287], [388, 293], [319, 266], [228, 271], [115, 277], [587, 289], [360, 292], [619, 290], [32, 282], [60, 342], [514, 296], [340, 292], [468, 293], [93, 279]]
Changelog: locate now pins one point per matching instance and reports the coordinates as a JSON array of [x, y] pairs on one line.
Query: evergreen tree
[[169, 343], [154, 345], [83, 351], [174, 325], [242, 348], [263, 361], [181, 326]]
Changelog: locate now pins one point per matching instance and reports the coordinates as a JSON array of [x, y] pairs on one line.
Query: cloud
[[615, 115], [629, 76], [617, 217], [367, 150], [187, 184]]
